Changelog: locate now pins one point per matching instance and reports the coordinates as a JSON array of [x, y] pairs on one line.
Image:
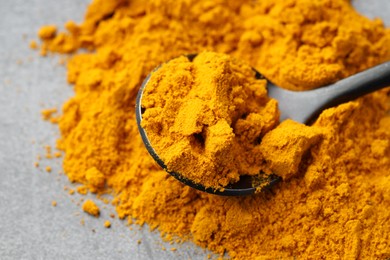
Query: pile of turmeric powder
[[336, 203], [205, 118]]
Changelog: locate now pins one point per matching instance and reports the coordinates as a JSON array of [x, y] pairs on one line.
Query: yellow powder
[[47, 32], [82, 190], [33, 44], [95, 179], [302, 44], [107, 224], [48, 169], [205, 118], [285, 147], [57, 154], [335, 206], [54, 203], [48, 113], [91, 208]]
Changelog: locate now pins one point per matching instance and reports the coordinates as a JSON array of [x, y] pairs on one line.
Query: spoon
[[300, 106]]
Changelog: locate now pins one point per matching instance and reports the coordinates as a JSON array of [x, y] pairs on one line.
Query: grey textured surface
[[30, 227]]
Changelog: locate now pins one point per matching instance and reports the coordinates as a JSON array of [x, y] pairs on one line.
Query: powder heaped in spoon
[[205, 118]]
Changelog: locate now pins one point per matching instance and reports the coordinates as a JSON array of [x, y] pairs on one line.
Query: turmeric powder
[[33, 44], [335, 199], [47, 114], [284, 147], [107, 224], [47, 32], [205, 118], [95, 179], [91, 208]]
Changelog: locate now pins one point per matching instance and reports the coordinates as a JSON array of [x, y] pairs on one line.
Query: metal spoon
[[302, 106]]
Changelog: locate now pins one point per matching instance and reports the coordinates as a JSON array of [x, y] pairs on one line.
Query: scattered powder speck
[[47, 114], [57, 154], [33, 44], [47, 32], [107, 224], [91, 208], [83, 190]]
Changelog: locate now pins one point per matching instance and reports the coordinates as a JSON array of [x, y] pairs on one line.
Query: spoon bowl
[[245, 186], [300, 106]]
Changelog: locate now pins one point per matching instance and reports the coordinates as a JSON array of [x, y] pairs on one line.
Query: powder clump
[[47, 32], [107, 224], [91, 208], [198, 117], [285, 147]]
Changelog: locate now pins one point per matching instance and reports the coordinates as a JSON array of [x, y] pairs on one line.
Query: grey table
[[30, 227]]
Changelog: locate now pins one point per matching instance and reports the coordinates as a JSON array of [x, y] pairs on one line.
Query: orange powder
[[335, 199], [91, 208], [206, 117], [107, 224]]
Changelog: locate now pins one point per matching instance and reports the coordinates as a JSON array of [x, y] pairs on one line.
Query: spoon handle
[[305, 106], [358, 85]]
